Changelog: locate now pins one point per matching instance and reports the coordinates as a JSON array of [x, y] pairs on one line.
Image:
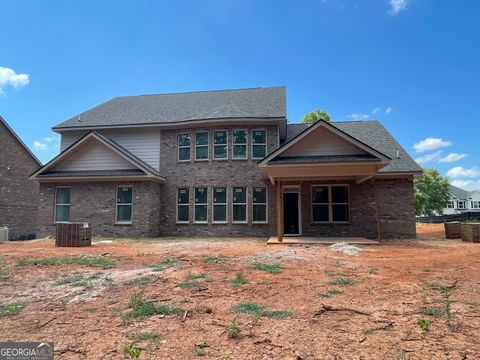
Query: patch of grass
[[226, 357], [214, 259], [255, 309], [272, 268], [342, 281], [198, 349], [11, 309], [132, 351], [80, 279], [195, 280], [144, 336], [330, 293], [5, 272], [427, 270], [238, 280], [142, 308], [141, 281], [90, 261], [143, 254], [431, 312], [233, 330], [91, 309], [425, 325], [329, 272], [165, 263], [368, 331], [372, 270]]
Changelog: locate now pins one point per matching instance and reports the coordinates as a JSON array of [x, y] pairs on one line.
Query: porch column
[[279, 211]]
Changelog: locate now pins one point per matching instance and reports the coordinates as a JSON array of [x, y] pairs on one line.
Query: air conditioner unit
[[4, 233]]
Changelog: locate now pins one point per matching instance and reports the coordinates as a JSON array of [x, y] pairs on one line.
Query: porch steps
[[322, 240]]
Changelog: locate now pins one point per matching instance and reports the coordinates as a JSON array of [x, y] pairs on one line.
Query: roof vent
[[398, 154]]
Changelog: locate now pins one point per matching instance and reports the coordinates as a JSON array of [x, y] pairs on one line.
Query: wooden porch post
[[379, 238], [279, 211]]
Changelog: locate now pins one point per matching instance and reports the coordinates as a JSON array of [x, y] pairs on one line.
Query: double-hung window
[[220, 205], [475, 204], [200, 210], [124, 204], [239, 205], [201, 145], [183, 205], [259, 204], [239, 141], [259, 144], [461, 204], [450, 204], [62, 204], [220, 145], [330, 204], [184, 142]]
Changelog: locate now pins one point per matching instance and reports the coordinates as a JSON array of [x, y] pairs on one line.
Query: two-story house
[[225, 163], [462, 201]]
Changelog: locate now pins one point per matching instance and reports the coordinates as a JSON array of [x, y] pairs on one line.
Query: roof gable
[[19, 141]]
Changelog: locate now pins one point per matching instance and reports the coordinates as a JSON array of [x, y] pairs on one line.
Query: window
[[201, 205], [239, 144], [450, 204], [201, 145], [239, 210], [330, 204], [259, 144], [461, 204], [259, 204], [184, 147], [124, 204], [475, 204], [220, 205], [62, 204], [183, 205], [220, 145]]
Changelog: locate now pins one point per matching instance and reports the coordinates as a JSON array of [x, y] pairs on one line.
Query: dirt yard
[[241, 299]]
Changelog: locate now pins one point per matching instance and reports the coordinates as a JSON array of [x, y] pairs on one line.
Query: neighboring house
[[18, 194], [225, 163], [462, 201]]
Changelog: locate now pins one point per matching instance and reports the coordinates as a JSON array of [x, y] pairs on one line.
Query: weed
[[431, 312], [427, 270], [5, 272], [329, 272], [330, 293], [144, 336], [116, 310], [225, 357], [108, 281], [372, 270], [342, 281], [11, 309], [447, 301], [255, 309], [214, 259], [272, 268], [424, 325], [91, 309], [195, 280], [79, 279], [198, 349], [141, 281], [165, 263], [143, 254], [132, 351], [239, 280], [233, 330], [368, 331], [91, 261]]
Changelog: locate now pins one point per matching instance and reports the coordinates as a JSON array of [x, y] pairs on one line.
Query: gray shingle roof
[[373, 134], [189, 106], [322, 159], [460, 193], [53, 174]]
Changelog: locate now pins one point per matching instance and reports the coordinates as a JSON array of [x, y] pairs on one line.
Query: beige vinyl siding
[[94, 156], [322, 142], [143, 143]]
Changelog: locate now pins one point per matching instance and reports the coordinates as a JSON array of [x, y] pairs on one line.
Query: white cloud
[[8, 77], [397, 6], [429, 157], [50, 138], [452, 157], [431, 144], [358, 116], [388, 110], [461, 172], [40, 146], [376, 110], [462, 183]]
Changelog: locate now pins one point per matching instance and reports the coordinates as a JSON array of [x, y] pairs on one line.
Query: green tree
[[432, 192], [315, 115]]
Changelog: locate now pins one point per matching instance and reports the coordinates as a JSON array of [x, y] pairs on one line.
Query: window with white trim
[[475, 204], [219, 205], [461, 204], [184, 142], [201, 145], [259, 144], [183, 205], [201, 205], [239, 140], [239, 205], [330, 204], [124, 204], [220, 139], [62, 204], [259, 204], [450, 204]]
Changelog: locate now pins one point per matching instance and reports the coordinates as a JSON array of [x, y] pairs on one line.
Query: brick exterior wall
[[95, 203], [19, 194]]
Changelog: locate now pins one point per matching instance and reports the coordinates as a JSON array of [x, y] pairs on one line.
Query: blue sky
[[414, 65]]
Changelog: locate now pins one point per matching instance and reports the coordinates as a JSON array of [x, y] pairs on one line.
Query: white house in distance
[[462, 201]]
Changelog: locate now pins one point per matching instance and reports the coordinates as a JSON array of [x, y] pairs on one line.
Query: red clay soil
[[384, 291]]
